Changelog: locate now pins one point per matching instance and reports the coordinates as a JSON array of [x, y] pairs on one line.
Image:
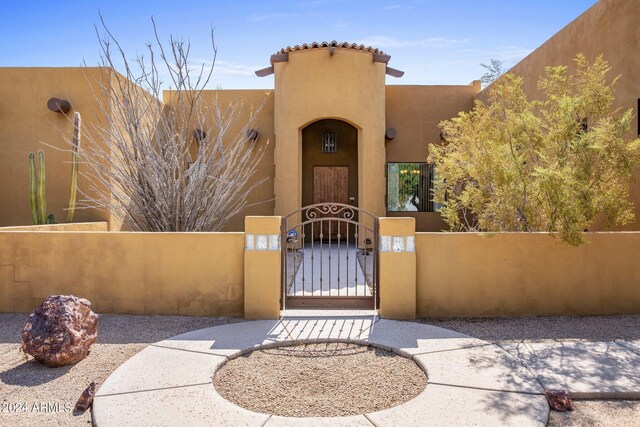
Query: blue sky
[[433, 41]]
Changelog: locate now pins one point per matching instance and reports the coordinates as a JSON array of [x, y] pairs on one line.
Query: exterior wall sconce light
[[199, 135], [390, 134], [329, 142], [58, 105], [253, 135]]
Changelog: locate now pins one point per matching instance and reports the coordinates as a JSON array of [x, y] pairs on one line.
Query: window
[[410, 187], [330, 143]]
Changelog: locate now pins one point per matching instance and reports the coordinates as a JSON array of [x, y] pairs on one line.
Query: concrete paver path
[[470, 381]]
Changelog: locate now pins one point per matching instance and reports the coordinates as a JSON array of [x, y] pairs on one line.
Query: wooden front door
[[331, 185]]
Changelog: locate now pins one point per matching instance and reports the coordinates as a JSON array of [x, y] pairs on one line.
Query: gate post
[[262, 267], [397, 268]]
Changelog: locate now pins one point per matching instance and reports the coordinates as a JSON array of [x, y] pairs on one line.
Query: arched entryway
[[329, 244], [329, 163]]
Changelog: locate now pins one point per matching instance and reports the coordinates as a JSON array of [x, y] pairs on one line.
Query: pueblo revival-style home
[[334, 129]]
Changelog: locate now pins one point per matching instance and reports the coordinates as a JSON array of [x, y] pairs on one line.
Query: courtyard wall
[[203, 274], [199, 274], [521, 274]]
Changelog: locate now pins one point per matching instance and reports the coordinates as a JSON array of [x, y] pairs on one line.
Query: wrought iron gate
[[329, 257]]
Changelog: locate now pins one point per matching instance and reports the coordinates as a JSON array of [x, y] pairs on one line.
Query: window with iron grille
[[329, 143], [410, 187]]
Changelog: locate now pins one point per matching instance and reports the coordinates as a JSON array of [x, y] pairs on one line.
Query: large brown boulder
[[60, 331]]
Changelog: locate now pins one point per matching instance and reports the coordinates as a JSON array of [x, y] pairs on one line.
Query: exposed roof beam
[[394, 73], [378, 57], [280, 57], [265, 72]]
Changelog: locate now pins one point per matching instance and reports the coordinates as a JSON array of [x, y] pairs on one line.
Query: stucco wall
[[198, 274], [415, 112], [25, 122], [609, 28], [517, 274]]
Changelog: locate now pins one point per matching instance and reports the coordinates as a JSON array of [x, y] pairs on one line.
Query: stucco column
[[371, 167], [262, 267], [397, 274]]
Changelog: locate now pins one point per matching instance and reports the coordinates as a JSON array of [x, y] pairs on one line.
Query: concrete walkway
[[330, 271], [470, 381], [588, 370]]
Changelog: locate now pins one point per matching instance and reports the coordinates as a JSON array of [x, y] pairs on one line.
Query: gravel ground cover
[[605, 413], [540, 329], [54, 391], [320, 380]]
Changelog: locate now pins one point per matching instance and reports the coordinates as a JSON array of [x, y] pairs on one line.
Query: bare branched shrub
[[144, 163]]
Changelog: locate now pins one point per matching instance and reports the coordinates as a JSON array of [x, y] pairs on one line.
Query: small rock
[[60, 331], [559, 400], [86, 399]]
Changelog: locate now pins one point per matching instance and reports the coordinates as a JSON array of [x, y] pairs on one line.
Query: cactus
[[37, 190], [42, 196], [74, 165], [33, 201], [37, 181]]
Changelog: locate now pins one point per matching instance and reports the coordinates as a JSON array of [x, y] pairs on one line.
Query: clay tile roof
[[344, 45]]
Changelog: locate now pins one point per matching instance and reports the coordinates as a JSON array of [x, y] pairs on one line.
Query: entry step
[[327, 313]]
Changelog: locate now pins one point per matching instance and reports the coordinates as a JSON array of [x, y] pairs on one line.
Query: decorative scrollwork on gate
[[335, 210]]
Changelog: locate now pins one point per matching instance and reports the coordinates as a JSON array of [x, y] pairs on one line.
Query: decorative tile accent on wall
[[249, 242], [385, 243], [274, 242], [411, 244], [262, 242], [397, 244]]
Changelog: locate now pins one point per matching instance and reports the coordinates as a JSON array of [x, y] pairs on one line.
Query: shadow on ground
[[32, 373]]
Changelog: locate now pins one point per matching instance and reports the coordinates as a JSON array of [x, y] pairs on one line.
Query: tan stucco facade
[[311, 85], [344, 85], [216, 274], [415, 112], [314, 85]]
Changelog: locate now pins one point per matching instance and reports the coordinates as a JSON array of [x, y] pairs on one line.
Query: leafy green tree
[[551, 165]]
